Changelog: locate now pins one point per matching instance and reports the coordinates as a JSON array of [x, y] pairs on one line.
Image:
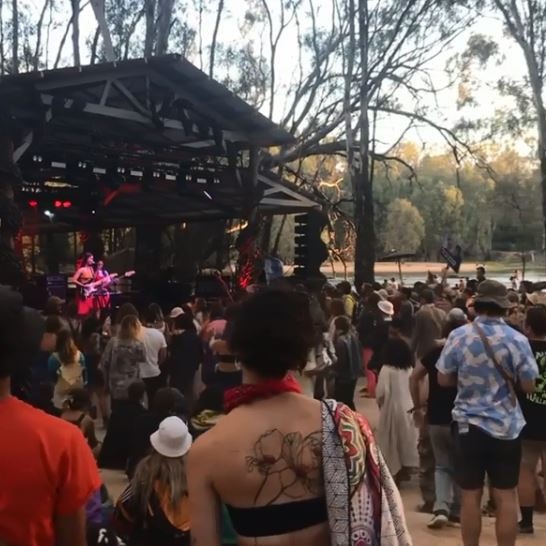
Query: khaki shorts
[[532, 452]]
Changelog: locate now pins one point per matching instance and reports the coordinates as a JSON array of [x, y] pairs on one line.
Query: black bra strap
[[278, 519]]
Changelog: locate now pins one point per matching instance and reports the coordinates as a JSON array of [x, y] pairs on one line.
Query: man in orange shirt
[[47, 471]]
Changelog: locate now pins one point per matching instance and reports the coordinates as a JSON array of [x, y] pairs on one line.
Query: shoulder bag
[[491, 354]]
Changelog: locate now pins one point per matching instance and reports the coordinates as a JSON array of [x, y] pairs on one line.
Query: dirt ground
[[422, 536]]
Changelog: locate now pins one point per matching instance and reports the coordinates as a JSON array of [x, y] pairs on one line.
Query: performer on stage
[[102, 295], [85, 275]]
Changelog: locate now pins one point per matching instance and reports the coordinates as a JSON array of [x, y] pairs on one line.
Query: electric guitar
[[91, 288]]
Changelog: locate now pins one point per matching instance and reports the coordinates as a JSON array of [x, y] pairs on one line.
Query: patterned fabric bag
[[364, 505]]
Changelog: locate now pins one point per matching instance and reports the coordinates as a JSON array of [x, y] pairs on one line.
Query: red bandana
[[246, 394]]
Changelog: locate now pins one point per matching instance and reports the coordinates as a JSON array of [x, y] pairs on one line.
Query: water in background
[[501, 274]]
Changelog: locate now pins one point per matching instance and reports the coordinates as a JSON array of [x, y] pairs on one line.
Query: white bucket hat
[[386, 307], [172, 439], [176, 312]]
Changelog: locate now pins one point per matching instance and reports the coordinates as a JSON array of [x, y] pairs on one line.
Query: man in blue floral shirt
[[485, 361]]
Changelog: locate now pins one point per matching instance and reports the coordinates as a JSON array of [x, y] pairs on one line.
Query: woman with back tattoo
[[289, 469]]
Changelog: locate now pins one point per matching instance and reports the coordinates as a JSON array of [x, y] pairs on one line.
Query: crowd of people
[[236, 421]]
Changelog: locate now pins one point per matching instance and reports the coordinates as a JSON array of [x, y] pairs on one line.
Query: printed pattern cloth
[[483, 396], [364, 505]]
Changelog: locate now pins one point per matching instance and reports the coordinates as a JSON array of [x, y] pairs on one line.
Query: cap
[[176, 312], [172, 439]]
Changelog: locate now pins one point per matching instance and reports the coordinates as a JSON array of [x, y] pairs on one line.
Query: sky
[[444, 106]]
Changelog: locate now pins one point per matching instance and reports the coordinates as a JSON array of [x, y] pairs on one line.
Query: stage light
[[93, 212], [48, 213], [58, 204], [207, 195], [32, 203], [67, 204]]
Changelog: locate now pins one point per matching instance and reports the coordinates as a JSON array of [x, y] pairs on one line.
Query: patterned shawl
[[364, 505]]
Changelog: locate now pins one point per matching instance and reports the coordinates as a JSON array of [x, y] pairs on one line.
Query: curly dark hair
[[272, 333], [397, 354]]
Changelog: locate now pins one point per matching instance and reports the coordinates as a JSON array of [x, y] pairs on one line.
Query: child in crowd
[[396, 434], [76, 408], [66, 367]]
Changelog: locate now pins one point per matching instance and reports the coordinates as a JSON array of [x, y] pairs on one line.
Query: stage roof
[[138, 141]]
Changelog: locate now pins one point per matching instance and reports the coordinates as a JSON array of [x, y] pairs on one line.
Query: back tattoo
[[290, 465]]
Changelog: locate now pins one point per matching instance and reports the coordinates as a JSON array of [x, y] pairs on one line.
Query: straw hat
[[386, 307]]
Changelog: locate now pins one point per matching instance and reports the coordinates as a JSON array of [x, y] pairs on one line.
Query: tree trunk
[[15, 39], [76, 31], [39, 36], [164, 19], [94, 46], [98, 8], [536, 86], [275, 249], [149, 10], [2, 56], [542, 158], [215, 36], [266, 234], [362, 180]]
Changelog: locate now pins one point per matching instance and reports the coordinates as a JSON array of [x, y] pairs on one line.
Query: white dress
[[396, 434]]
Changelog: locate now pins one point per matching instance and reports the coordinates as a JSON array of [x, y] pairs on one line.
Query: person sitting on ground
[[348, 365], [122, 359], [75, 410], [48, 470], [484, 360], [167, 402], [119, 434], [439, 406], [185, 356], [533, 407], [66, 367], [396, 434], [269, 429], [154, 509]]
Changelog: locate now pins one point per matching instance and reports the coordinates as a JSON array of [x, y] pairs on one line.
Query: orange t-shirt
[[46, 469]]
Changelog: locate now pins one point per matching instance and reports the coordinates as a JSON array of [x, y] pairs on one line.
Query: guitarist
[[102, 295], [84, 276]]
